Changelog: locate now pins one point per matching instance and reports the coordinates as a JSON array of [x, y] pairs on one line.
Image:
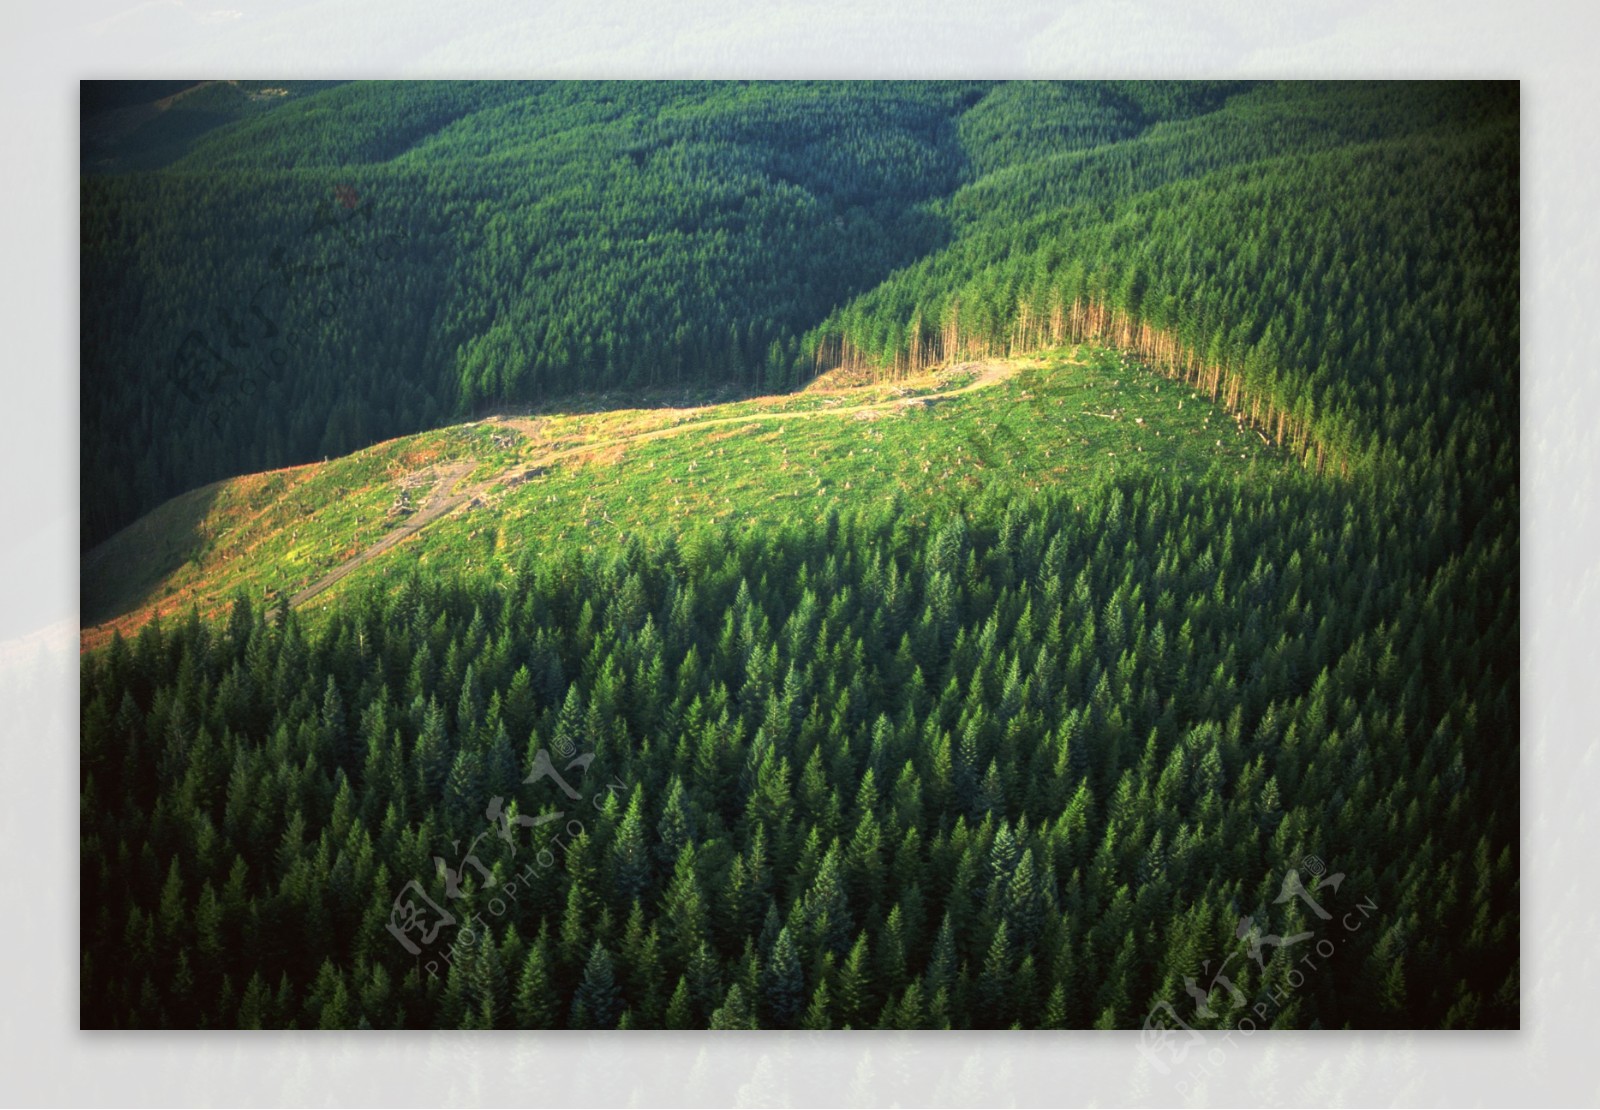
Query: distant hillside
[[148, 125]]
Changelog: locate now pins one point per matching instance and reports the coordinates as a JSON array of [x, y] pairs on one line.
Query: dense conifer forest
[[1183, 750]]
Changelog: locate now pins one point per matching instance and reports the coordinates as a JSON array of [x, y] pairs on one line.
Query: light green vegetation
[[1053, 423], [1070, 419]]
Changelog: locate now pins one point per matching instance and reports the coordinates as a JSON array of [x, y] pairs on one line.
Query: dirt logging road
[[440, 501]]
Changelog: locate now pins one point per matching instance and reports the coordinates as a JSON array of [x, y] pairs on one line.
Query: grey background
[[44, 1059]]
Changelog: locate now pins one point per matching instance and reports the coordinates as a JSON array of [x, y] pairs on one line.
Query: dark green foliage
[[598, 1003], [783, 991], [1030, 877]]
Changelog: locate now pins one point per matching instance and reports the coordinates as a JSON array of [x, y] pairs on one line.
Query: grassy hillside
[[1069, 420]]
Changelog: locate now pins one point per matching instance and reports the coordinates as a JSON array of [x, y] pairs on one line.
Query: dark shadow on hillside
[[125, 572]]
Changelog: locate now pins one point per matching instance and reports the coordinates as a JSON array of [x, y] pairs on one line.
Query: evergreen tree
[[735, 1011], [783, 984], [598, 1003]]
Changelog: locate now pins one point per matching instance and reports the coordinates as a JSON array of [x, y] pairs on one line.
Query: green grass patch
[[1067, 420]]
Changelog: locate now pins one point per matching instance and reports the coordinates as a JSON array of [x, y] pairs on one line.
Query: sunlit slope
[[475, 498]]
